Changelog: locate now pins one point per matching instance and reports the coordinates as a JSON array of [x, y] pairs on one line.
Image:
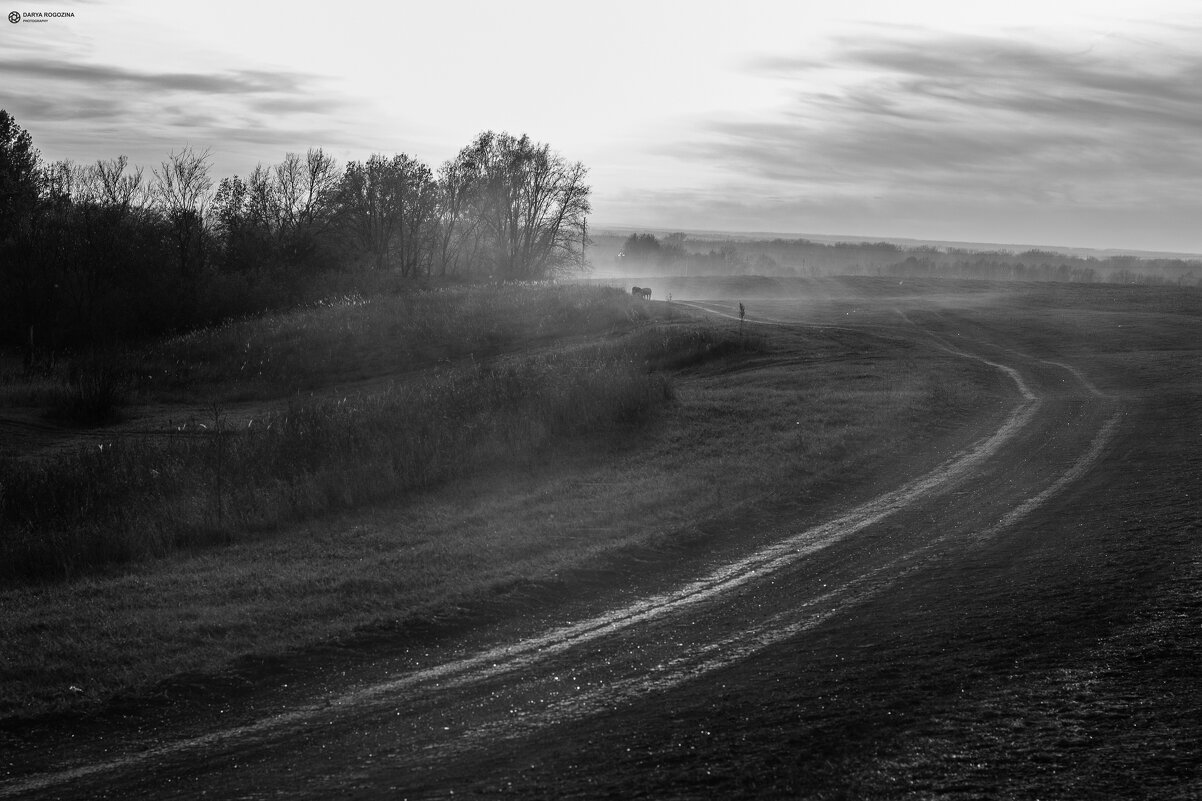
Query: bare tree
[[279, 216], [113, 186], [531, 201], [182, 184], [182, 191], [305, 190], [457, 232], [306, 200], [102, 222], [262, 202], [64, 181], [387, 210]]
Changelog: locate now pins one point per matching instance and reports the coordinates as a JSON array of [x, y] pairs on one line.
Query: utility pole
[[583, 242]]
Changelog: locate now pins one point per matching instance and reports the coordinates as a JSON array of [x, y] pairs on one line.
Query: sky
[[1038, 123]]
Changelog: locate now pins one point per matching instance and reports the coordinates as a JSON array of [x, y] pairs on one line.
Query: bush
[[93, 395]]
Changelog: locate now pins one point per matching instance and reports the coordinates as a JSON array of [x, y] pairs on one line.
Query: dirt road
[[1022, 620]]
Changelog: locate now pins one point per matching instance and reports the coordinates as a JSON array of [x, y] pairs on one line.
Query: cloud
[[1005, 75], [72, 107], [38, 106], [238, 82], [974, 117]]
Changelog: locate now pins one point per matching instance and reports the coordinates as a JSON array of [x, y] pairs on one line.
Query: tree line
[[801, 257], [91, 253]]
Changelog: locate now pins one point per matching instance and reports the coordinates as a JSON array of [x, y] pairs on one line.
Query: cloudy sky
[[1044, 123]]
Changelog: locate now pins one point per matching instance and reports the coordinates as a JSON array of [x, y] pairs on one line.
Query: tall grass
[[207, 483], [90, 392], [94, 392], [350, 338], [338, 340]]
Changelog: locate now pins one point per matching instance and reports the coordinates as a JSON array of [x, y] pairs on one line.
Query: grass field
[[593, 427], [215, 478]]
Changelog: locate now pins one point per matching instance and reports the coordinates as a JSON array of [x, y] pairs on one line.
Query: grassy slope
[[796, 426], [421, 420]]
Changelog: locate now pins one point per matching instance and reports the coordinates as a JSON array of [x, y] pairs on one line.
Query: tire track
[[810, 614]]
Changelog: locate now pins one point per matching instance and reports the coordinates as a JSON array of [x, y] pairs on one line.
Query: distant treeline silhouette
[[100, 252], [676, 254]]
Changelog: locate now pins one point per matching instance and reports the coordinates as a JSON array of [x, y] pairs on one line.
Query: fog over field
[[626, 400]]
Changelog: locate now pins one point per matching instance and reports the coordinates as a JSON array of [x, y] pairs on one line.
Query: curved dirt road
[[861, 654]]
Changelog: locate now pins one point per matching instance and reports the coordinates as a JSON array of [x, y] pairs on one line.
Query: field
[[880, 539]]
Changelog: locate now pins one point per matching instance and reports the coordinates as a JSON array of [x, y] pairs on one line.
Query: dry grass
[[425, 420], [351, 338], [209, 483], [749, 430]]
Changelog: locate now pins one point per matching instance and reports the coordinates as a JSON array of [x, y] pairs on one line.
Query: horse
[[641, 292]]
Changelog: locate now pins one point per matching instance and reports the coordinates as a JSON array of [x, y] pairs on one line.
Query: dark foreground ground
[[1023, 620]]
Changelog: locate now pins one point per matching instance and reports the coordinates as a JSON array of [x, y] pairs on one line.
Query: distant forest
[[677, 254], [106, 251]]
